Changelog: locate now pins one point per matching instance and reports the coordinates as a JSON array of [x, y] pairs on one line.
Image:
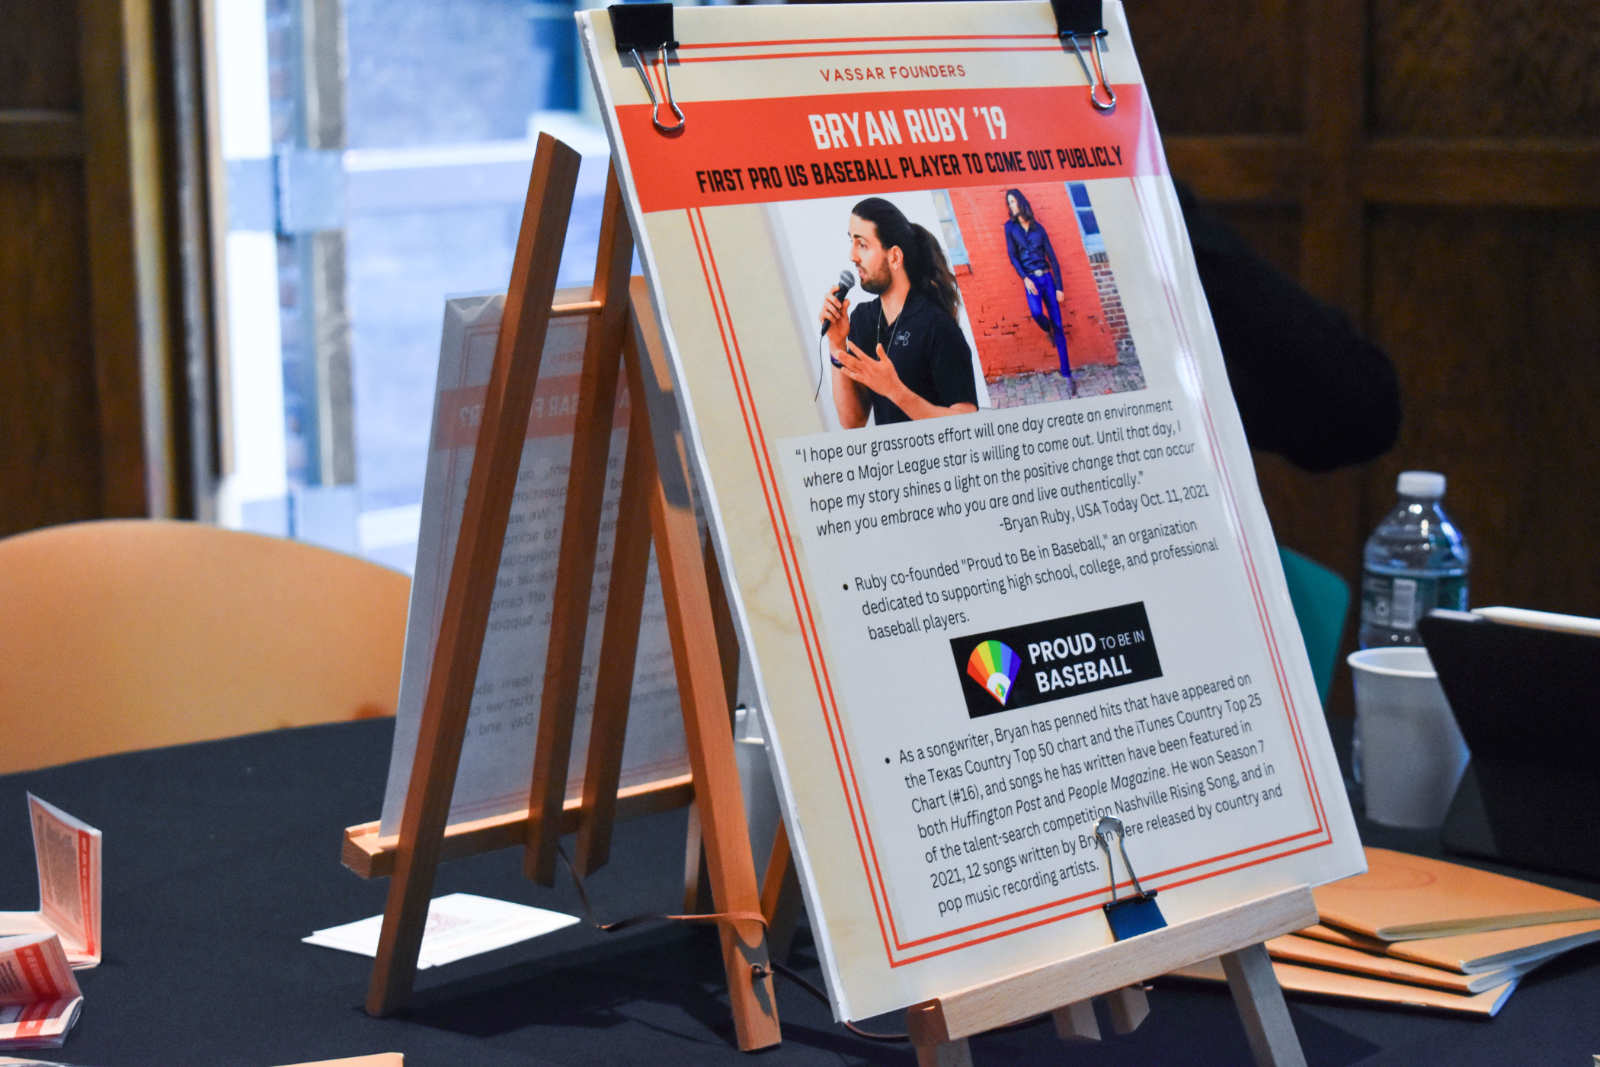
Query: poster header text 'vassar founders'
[[798, 148]]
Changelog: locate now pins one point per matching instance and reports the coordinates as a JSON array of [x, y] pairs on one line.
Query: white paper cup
[[1412, 752]]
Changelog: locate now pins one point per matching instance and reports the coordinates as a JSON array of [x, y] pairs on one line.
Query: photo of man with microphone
[[902, 356]]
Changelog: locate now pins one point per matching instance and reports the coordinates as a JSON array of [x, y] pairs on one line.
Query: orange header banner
[[807, 147]]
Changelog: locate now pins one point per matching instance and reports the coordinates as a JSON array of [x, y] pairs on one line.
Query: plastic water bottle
[[1415, 561]]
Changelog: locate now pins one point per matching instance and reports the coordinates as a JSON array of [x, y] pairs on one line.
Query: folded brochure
[[1308, 951], [1295, 978], [39, 997], [1474, 953], [66, 852], [1403, 897]]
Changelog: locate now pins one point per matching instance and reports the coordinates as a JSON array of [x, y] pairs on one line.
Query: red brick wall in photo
[[1008, 340]]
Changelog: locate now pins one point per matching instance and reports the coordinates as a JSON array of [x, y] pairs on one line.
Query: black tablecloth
[[219, 857]]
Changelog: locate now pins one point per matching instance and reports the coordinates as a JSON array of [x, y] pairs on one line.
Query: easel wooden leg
[[498, 456], [591, 444], [619, 647], [701, 689], [722, 625], [1259, 999], [945, 1054], [1076, 1022], [781, 902], [696, 879], [931, 1038], [1128, 1007]]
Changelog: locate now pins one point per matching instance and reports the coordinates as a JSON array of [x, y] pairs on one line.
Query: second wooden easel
[[656, 505]]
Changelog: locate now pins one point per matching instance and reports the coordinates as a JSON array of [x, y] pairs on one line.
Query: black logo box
[[1123, 652]]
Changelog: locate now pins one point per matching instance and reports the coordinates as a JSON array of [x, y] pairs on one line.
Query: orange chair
[[129, 634]]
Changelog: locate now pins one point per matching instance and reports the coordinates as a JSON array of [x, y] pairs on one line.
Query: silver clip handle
[[1097, 76], [1105, 830], [655, 102]]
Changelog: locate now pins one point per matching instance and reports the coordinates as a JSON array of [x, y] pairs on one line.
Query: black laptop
[[1525, 690]]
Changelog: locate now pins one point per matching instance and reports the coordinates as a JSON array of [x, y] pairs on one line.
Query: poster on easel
[[990, 523], [498, 747]]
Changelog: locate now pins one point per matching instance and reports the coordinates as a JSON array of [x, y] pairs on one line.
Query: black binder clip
[[639, 27], [1128, 916], [1075, 21]]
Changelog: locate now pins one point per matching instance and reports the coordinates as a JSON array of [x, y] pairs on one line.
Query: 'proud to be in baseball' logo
[[994, 665], [1018, 666]]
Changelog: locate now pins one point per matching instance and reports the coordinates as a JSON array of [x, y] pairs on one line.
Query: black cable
[[775, 967], [795, 977]]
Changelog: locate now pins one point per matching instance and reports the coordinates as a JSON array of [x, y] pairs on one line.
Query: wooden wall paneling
[[128, 288], [37, 133], [1239, 168], [1220, 69], [39, 57], [1497, 322], [48, 424], [1486, 68], [1484, 172], [1332, 253], [45, 406]]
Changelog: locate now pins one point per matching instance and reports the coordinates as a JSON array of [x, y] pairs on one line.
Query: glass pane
[[395, 161]]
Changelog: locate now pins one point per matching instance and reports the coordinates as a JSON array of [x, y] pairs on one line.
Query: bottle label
[[1403, 603], [1397, 603]]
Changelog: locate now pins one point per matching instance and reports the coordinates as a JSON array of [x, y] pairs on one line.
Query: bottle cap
[[1426, 484]]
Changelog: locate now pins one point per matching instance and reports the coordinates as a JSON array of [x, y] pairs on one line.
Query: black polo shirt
[[927, 349]]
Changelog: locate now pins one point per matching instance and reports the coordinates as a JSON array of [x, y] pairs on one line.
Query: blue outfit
[[1033, 259]]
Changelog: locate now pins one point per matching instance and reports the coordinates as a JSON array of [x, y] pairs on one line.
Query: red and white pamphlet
[[67, 853], [39, 997]]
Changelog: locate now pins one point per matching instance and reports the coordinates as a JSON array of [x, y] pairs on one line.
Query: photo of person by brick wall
[[1040, 293]]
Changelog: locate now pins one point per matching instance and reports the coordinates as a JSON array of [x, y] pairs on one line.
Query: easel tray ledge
[[372, 856], [973, 1010]]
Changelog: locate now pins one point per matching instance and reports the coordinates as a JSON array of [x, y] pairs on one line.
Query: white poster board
[[974, 635], [502, 727]]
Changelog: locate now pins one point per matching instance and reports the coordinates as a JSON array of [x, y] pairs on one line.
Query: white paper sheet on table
[[459, 925]]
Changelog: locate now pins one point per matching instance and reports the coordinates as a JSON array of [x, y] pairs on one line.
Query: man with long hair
[[1034, 260], [919, 366]]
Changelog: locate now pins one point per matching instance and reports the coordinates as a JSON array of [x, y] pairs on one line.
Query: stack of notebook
[[1427, 933]]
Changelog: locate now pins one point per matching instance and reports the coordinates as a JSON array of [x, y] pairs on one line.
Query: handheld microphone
[[847, 280]]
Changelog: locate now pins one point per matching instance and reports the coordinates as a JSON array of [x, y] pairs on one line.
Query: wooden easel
[[656, 505], [624, 336]]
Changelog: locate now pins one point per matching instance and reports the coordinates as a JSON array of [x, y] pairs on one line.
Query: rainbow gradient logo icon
[[994, 665]]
